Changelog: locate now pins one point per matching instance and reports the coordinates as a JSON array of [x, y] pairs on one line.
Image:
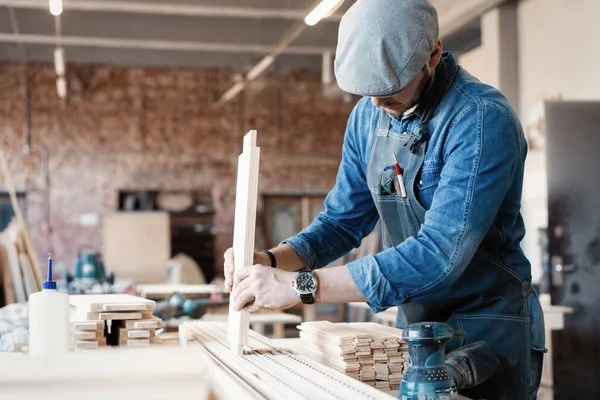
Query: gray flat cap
[[383, 44]]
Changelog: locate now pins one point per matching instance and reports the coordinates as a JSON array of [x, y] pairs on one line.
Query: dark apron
[[490, 300]]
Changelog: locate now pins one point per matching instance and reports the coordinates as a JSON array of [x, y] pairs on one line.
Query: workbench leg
[[278, 331], [259, 328]]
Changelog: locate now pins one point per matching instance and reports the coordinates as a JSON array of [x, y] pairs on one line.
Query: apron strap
[[384, 124]]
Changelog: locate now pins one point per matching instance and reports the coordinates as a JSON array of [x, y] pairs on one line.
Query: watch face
[[306, 283]]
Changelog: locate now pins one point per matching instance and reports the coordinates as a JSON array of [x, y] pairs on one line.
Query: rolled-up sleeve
[[482, 156], [349, 212]]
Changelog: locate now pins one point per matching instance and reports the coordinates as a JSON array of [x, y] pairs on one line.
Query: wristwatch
[[305, 284]]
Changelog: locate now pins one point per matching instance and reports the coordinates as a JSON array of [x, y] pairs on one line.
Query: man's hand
[[228, 266], [259, 286]]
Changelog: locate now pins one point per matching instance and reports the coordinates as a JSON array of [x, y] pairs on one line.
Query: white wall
[[558, 57], [559, 44]]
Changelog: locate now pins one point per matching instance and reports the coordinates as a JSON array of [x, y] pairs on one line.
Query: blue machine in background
[[89, 274]]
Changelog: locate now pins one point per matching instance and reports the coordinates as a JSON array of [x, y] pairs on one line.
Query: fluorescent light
[[56, 7], [59, 61], [61, 87], [231, 93], [260, 67], [323, 10]]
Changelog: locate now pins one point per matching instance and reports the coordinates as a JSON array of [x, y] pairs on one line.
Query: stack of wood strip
[[88, 335], [372, 353], [273, 373], [131, 320]]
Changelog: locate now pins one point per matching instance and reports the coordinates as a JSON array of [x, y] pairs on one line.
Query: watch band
[[271, 257], [307, 298]]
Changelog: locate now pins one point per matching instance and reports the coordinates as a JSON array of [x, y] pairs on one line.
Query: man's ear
[[436, 55]]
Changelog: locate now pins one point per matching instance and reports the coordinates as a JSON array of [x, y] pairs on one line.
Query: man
[[451, 235]]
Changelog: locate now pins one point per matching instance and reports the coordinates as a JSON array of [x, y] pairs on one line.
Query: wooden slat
[[7, 281], [15, 269], [87, 325], [111, 302], [115, 316], [144, 323], [244, 232], [19, 214]]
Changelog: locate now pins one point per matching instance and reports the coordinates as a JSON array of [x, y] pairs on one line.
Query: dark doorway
[[573, 154]]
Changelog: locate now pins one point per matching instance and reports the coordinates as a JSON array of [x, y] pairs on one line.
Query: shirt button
[[421, 182]]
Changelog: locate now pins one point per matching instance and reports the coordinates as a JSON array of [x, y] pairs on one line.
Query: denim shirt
[[470, 184]]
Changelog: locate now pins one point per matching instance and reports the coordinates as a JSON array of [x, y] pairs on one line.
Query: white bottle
[[48, 319]]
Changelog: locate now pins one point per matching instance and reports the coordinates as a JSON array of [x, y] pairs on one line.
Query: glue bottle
[[48, 319]]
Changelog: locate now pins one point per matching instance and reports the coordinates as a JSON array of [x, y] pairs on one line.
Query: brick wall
[[131, 128]]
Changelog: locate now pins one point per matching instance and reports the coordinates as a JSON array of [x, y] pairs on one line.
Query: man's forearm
[[287, 258], [335, 285]]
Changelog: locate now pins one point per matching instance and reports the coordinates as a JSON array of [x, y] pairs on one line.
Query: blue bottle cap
[[49, 284]]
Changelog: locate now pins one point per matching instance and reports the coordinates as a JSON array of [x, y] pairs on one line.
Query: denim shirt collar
[[451, 70]]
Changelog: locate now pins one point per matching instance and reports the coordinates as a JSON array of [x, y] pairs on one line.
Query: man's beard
[[422, 90]]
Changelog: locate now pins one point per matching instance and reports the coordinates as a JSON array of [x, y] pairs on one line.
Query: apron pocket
[[392, 231], [410, 225]]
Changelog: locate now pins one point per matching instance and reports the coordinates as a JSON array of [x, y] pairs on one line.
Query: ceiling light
[[323, 10], [59, 61], [56, 7], [61, 87]]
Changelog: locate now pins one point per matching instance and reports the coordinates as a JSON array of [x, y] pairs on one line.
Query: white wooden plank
[[115, 316], [98, 302], [87, 325], [165, 290], [135, 342], [150, 323], [88, 335], [244, 232], [137, 333]]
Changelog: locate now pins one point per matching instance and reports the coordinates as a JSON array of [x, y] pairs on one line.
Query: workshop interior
[[160, 159]]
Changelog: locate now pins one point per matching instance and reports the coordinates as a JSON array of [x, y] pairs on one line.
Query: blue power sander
[[427, 377]]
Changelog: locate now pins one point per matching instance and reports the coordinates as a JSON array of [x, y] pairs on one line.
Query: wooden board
[[88, 335], [117, 316], [136, 342], [151, 373], [137, 333], [87, 325], [158, 291], [137, 245], [144, 323], [100, 302], [244, 232]]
